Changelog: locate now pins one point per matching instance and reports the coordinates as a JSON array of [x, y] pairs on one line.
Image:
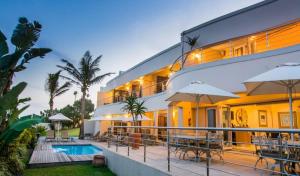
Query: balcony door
[[161, 83]]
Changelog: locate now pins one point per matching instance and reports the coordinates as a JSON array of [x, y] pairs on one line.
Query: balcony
[[280, 37], [136, 88]]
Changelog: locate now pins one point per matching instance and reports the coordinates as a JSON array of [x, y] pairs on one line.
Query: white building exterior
[[229, 50]]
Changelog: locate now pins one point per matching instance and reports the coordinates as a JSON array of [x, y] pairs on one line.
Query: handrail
[[279, 130], [145, 89]]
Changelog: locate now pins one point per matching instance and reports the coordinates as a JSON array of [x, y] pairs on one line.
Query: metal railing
[[149, 90], [209, 151]]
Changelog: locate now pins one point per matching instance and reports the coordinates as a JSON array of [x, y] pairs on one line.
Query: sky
[[125, 32]]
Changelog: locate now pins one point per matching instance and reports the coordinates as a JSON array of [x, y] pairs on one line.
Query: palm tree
[[84, 76], [134, 107], [140, 109], [52, 86], [130, 106]]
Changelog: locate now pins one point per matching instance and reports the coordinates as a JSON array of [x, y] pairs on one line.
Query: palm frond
[[71, 69], [65, 87], [100, 78], [71, 80]]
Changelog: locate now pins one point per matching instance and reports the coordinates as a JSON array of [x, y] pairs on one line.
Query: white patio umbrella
[[282, 79], [200, 92], [57, 118]]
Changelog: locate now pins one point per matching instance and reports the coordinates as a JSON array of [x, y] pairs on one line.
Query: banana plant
[[9, 114], [24, 37], [9, 103], [15, 129]]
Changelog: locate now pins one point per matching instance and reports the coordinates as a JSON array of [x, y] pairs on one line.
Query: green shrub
[[41, 130]]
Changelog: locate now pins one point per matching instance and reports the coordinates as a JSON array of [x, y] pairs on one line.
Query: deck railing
[[211, 151], [151, 89]]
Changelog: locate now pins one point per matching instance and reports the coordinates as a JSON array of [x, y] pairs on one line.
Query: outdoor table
[[196, 139]]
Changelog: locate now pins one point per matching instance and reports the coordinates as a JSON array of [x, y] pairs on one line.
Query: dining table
[[198, 141]]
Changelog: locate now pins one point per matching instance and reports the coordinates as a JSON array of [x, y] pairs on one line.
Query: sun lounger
[[65, 135], [50, 136]]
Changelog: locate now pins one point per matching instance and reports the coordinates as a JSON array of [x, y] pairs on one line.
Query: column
[[180, 117], [155, 117], [170, 116]]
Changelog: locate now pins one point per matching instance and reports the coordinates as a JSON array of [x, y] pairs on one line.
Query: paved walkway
[[234, 163]]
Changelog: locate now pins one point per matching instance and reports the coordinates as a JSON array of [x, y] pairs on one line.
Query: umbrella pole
[[291, 110], [197, 114]]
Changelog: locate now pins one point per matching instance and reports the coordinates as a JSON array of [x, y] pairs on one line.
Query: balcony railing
[[281, 37], [145, 91], [209, 151]]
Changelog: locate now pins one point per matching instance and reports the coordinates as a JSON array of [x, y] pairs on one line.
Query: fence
[[211, 151]]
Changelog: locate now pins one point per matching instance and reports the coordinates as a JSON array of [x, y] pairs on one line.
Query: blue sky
[[125, 32]]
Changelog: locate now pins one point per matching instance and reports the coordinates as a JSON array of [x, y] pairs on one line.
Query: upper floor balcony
[[147, 85], [272, 39]]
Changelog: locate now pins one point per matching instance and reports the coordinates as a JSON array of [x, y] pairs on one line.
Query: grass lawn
[[73, 132], [69, 170]]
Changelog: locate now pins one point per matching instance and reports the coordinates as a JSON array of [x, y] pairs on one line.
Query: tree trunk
[[81, 133], [51, 106]]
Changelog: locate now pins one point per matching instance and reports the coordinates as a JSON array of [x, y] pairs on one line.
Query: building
[[229, 50]]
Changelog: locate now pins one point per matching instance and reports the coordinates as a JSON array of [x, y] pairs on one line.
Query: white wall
[[89, 126], [123, 166]]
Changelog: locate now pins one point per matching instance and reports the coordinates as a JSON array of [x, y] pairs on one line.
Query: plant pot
[[136, 139], [98, 161]]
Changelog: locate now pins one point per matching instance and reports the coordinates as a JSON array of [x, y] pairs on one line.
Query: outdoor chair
[[102, 137], [88, 136], [268, 148], [65, 136], [96, 136], [50, 136], [216, 144], [292, 165]]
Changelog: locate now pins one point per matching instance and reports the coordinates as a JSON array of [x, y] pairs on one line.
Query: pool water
[[76, 149]]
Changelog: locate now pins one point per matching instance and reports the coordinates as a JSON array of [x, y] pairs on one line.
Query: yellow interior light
[[198, 56]]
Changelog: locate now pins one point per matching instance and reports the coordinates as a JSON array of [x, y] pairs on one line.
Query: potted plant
[[135, 108]]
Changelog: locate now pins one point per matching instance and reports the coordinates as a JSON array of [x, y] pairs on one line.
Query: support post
[[168, 142], [291, 110], [280, 153], [144, 150], [208, 157], [117, 143], [108, 138]]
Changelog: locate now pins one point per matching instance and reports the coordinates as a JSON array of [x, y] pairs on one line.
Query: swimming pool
[[77, 149]]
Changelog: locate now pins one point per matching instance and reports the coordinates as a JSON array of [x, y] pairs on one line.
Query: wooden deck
[[43, 154]]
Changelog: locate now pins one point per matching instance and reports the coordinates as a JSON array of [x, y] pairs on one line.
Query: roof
[[145, 61], [243, 10]]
